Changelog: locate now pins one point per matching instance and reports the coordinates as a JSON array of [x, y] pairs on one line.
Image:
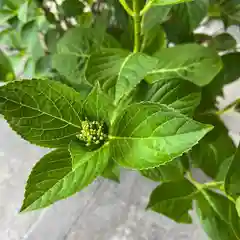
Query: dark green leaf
[[209, 155], [112, 172], [218, 216], [51, 39], [174, 200], [229, 73], [98, 106], [192, 62], [232, 181], [178, 94], [43, 66], [46, 113], [231, 10], [172, 171], [6, 70], [146, 135], [54, 178], [223, 42], [5, 15], [72, 8], [184, 19], [120, 67]]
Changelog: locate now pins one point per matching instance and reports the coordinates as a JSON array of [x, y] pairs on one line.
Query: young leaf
[[180, 95], [218, 216], [172, 171], [209, 155], [5, 15], [98, 106], [191, 62], [120, 67], [54, 178], [146, 135], [232, 181], [174, 200], [43, 112], [6, 70]]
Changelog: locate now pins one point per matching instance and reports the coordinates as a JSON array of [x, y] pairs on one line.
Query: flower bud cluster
[[92, 132]]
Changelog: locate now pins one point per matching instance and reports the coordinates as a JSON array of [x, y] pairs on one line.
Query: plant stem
[[146, 7], [228, 107], [137, 25], [127, 8]]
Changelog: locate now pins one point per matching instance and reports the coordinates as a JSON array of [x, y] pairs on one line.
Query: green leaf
[[154, 40], [146, 135], [112, 172], [118, 66], [98, 106], [6, 70], [5, 15], [43, 66], [150, 20], [232, 180], [238, 206], [209, 155], [229, 73], [43, 112], [223, 42], [172, 171], [23, 12], [218, 216], [184, 19], [174, 200], [70, 66], [72, 8], [175, 93], [191, 62], [169, 2], [51, 39], [54, 178], [231, 10]]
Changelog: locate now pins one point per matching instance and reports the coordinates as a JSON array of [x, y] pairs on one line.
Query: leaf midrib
[[38, 110]]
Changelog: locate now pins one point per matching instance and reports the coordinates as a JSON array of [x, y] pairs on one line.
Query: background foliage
[[110, 84]]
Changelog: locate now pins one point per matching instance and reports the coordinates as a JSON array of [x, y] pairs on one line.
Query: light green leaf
[[174, 200], [23, 12], [191, 62], [238, 206], [6, 70], [150, 20], [43, 112], [5, 15], [180, 95], [146, 135], [98, 106], [209, 155], [218, 216], [223, 42], [172, 171], [54, 178], [169, 2], [116, 65], [232, 181]]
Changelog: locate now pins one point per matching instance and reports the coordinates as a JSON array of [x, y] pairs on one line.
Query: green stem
[[126, 7], [137, 26], [146, 7], [228, 107]]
